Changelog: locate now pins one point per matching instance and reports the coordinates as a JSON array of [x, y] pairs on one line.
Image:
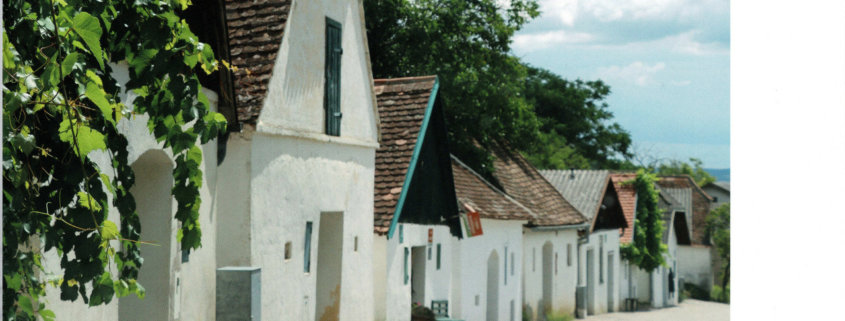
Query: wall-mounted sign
[[472, 222], [430, 236]]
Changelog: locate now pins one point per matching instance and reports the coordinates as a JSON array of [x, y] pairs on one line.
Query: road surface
[[689, 310]]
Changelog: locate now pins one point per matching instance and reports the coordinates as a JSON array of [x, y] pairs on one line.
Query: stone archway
[[159, 271]]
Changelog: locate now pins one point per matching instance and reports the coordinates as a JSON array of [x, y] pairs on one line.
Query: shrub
[[694, 291], [554, 316], [717, 294], [421, 313]]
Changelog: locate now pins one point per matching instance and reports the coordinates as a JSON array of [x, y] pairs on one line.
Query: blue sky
[[667, 63]]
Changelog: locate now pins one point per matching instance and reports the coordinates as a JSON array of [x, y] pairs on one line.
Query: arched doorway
[[548, 277], [154, 204], [493, 287]]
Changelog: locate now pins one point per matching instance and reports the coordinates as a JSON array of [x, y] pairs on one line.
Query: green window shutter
[[407, 256], [307, 255], [331, 97]]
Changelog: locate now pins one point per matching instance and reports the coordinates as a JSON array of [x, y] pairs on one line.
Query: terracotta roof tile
[[489, 201], [255, 30], [524, 183], [628, 200], [401, 105]]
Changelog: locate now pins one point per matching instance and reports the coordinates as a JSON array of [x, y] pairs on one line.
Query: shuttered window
[[331, 99], [307, 255]]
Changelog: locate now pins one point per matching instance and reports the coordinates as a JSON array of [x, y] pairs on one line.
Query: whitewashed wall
[[564, 276], [392, 295], [294, 104], [469, 279], [293, 182], [194, 298], [297, 172], [653, 288], [602, 242], [694, 265]]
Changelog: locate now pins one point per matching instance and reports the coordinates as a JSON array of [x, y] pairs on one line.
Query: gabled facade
[[663, 282], [549, 237], [487, 269], [697, 262], [599, 270], [298, 168], [416, 214]]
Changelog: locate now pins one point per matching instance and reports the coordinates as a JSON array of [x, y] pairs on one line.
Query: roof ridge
[[495, 189], [379, 81]]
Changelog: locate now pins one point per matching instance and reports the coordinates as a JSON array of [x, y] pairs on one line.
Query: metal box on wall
[[238, 294]]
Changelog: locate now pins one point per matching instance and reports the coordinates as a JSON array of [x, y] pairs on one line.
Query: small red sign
[[472, 222], [430, 235]]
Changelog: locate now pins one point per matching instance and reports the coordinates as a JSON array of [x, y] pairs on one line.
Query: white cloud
[[536, 41], [568, 11], [683, 43], [638, 72]]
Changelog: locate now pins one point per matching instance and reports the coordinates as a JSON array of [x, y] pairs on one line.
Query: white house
[[697, 262], [550, 238], [719, 191], [416, 211], [599, 270], [177, 286], [660, 288], [297, 176], [487, 268]]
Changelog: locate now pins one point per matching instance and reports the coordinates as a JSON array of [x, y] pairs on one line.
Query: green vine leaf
[[96, 95], [87, 139], [67, 64], [109, 231], [86, 201], [88, 28]]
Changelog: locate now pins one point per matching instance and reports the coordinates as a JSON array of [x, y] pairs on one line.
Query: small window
[[407, 255], [601, 265], [715, 199], [331, 96], [555, 263], [429, 253], [476, 300], [568, 254], [355, 244], [287, 251], [401, 234], [506, 265], [512, 260], [438, 256], [307, 256], [533, 259], [186, 256]]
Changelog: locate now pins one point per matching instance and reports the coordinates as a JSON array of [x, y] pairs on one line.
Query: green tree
[[575, 119], [693, 169], [647, 249], [467, 44], [61, 106], [719, 227]]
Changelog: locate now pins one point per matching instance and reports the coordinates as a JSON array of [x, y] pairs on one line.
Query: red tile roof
[[255, 29], [523, 182], [628, 200], [402, 104], [480, 195]]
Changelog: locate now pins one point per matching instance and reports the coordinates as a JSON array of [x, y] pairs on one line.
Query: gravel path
[[689, 310]]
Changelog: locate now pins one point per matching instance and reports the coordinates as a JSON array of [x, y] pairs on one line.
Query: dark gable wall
[[431, 196]]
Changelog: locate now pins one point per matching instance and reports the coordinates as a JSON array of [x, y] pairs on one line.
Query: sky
[[667, 63]]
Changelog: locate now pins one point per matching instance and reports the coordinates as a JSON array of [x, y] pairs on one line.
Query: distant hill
[[723, 174]]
